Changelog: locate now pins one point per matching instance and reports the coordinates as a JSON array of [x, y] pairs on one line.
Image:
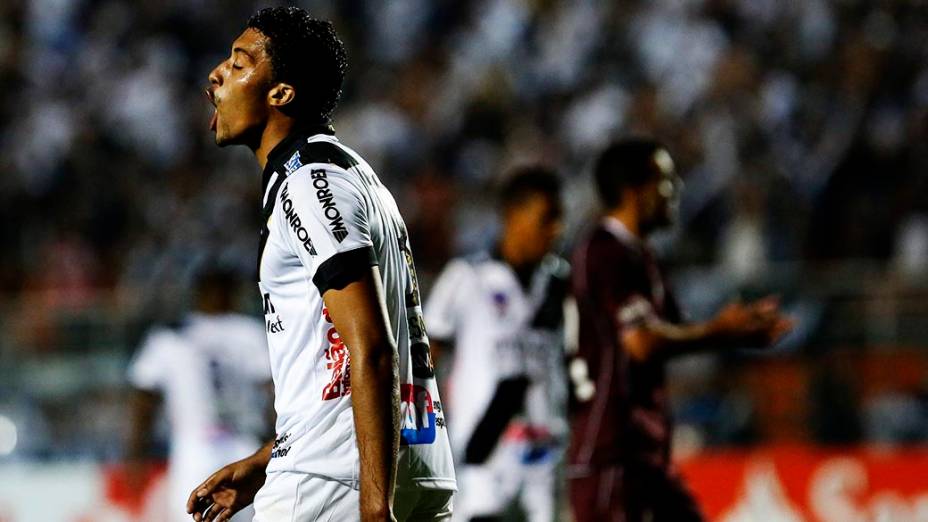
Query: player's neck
[[511, 251], [274, 132], [629, 218]]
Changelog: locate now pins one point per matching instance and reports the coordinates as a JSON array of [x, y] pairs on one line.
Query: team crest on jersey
[[293, 164], [501, 302], [417, 414]]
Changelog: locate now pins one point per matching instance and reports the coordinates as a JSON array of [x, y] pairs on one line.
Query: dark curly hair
[[307, 54]]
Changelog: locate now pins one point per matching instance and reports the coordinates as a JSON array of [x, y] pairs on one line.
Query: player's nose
[[215, 76]]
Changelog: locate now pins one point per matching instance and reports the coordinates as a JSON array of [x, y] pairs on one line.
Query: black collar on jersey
[[524, 274], [287, 146], [275, 160]]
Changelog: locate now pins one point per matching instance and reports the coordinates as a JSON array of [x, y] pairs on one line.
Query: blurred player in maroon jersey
[[619, 465]]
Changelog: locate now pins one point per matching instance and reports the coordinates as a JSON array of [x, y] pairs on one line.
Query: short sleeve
[[149, 367], [607, 278], [327, 225], [442, 309]]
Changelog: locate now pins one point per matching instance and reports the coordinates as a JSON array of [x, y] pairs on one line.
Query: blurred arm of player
[[756, 324], [359, 313], [143, 405]]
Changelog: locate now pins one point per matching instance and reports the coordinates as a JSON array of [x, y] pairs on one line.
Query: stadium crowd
[[800, 128]]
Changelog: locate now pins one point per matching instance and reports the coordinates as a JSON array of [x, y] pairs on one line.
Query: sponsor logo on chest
[[273, 324], [327, 200]]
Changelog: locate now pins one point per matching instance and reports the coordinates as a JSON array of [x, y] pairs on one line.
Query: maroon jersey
[[626, 422]]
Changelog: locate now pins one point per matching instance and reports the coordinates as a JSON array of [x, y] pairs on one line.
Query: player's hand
[[757, 324], [226, 492]]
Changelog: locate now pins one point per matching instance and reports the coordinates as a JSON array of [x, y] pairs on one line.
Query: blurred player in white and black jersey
[[212, 375], [500, 316], [360, 429]]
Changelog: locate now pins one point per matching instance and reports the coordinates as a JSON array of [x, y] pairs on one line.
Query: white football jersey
[[212, 372], [328, 219], [500, 329]]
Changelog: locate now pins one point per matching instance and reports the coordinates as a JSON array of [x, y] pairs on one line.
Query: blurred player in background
[[360, 433], [619, 463], [212, 375], [500, 316]]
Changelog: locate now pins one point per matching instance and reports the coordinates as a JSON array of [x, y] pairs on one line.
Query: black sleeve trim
[[343, 268], [506, 403]]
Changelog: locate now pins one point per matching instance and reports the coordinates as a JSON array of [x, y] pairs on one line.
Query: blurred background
[[800, 129]]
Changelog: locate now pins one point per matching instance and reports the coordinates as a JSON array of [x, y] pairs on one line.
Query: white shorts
[[301, 497]]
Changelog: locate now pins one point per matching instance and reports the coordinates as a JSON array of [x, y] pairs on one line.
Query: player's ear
[[280, 95]]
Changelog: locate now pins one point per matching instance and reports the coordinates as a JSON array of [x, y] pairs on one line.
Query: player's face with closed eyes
[[238, 90]]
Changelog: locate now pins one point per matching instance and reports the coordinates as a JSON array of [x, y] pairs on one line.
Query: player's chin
[[224, 139]]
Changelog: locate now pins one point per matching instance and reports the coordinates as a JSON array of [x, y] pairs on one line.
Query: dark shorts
[[623, 494]]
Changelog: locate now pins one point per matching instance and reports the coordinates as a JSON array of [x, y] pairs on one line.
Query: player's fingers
[[766, 310], [204, 489], [211, 515], [200, 505], [226, 515], [777, 331], [771, 302], [191, 502], [215, 511], [204, 515], [194, 498], [783, 327]]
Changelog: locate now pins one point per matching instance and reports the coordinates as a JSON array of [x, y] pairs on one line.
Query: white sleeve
[[149, 366], [327, 225], [443, 307]]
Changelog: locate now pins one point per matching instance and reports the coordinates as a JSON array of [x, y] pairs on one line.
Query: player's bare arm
[[756, 324], [231, 488], [359, 313], [143, 406]]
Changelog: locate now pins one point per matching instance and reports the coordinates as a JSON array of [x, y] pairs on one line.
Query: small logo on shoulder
[[293, 163]]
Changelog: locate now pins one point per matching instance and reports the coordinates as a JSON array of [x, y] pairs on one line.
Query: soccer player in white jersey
[[501, 316], [360, 428], [211, 373]]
